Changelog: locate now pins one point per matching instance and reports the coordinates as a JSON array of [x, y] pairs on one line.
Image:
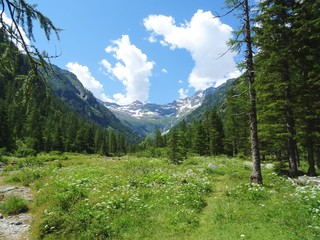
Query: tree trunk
[[310, 149], [256, 176], [309, 127], [318, 156], [292, 157]]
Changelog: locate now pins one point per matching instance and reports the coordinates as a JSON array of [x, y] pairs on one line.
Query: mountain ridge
[[70, 90], [145, 118]]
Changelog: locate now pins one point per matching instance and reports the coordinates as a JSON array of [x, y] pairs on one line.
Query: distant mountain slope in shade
[[145, 118], [80, 100]]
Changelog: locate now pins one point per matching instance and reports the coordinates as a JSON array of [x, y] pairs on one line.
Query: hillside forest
[[285, 40], [70, 169]]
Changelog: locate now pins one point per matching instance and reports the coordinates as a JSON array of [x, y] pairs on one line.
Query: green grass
[[89, 197], [13, 205]]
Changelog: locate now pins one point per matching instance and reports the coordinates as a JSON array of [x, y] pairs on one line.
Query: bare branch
[[230, 11]]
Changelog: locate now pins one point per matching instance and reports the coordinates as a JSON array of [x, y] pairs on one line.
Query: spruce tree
[[175, 154], [236, 119], [256, 176], [276, 75], [306, 50]]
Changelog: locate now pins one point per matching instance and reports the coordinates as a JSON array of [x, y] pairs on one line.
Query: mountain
[[211, 101], [70, 90], [145, 118]]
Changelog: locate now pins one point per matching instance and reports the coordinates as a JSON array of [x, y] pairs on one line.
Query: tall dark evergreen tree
[[175, 152], [200, 139], [236, 121], [256, 176], [275, 39], [158, 140], [306, 50]]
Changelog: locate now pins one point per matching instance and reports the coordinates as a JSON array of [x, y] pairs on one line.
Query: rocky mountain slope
[[69, 89], [145, 118]]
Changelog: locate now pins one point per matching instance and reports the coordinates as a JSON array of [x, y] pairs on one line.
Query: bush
[[23, 150], [14, 205], [25, 176]]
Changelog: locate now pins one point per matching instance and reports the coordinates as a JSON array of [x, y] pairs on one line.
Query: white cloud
[[88, 81], [205, 37], [234, 74], [180, 81], [132, 70], [183, 93], [164, 70], [8, 21]]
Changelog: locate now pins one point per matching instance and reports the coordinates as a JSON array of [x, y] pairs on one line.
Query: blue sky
[[148, 50]]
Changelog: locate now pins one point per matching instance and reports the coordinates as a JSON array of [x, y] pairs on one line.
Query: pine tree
[[175, 153], [158, 138], [25, 15], [274, 39], [200, 139], [5, 134], [305, 26], [236, 121], [215, 132], [256, 176]]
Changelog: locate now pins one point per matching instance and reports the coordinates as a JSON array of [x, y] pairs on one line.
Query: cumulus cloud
[[132, 69], [205, 37], [88, 81], [183, 93], [164, 70], [234, 74], [8, 21]]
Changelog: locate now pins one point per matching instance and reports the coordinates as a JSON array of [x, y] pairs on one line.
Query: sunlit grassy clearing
[[85, 197]]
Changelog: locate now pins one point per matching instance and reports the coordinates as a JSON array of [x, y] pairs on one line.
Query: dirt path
[[15, 227]]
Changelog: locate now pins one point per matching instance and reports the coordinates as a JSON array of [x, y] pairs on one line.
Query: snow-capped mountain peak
[[145, 118], [162, 116]]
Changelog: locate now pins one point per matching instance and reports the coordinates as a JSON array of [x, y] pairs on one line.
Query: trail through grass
[[89, 197]]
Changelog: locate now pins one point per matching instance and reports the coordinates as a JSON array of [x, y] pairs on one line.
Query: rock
[[189, 172], [268, 165], [4, 189], [211, 166], [15, 227], [305, 180]]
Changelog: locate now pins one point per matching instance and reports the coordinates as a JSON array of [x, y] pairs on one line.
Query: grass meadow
[[92, 197]]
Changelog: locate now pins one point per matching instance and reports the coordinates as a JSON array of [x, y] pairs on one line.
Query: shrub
[[14, 205], [25, 176]]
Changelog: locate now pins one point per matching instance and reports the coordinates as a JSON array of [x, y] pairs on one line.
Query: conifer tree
[[25, 15], [306, 50], [158, 138], [201, 139], [175, 153], [236, 120], [256, 176], [275, 42]]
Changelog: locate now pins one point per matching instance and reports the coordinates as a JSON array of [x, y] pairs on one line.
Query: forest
[[284, 36], [91, 179]]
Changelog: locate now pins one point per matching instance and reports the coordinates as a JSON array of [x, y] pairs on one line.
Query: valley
[[93, 197], [146, 118], [237, 161]]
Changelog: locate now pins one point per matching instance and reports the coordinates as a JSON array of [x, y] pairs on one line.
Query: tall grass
[[13, 205], [90, 197]]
